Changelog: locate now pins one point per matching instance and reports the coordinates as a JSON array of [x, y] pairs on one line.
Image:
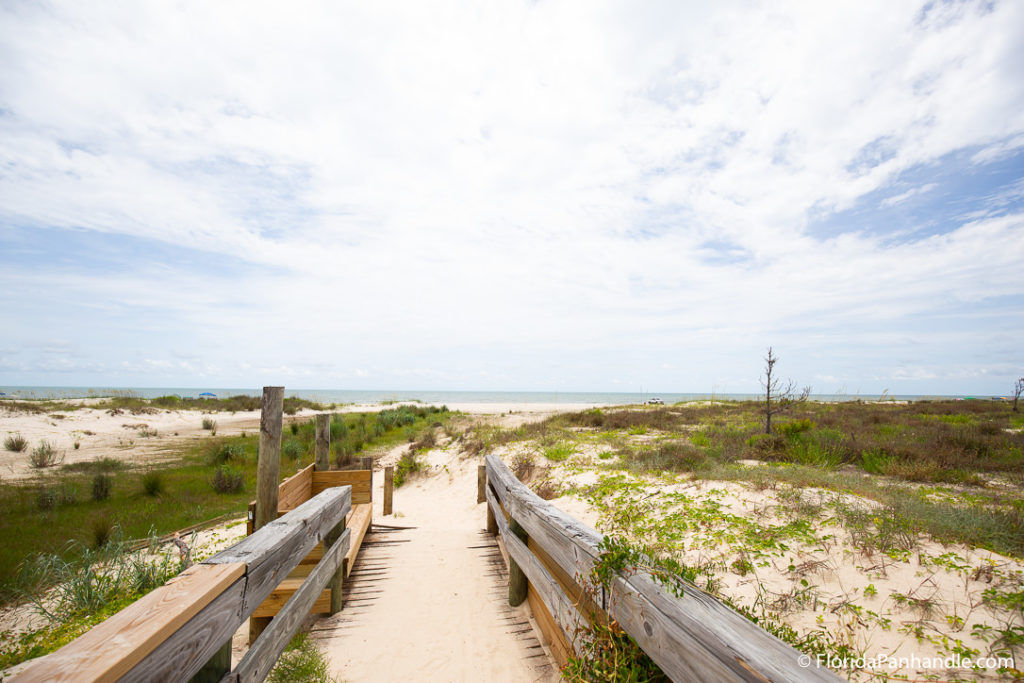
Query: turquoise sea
[[426, 396]]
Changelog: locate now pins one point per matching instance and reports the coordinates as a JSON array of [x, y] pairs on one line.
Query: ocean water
[[436, 397]]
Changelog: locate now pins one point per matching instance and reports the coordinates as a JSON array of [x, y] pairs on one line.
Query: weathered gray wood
[[389, 489], [517, 583], [268, 467], [183, 654], [337, 582], [492, 524], [565, 614], [264, 653], [323, 442], [277, 548], [695, 637]]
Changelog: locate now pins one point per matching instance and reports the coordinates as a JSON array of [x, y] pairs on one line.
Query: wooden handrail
[[692, 638], [170, 633]]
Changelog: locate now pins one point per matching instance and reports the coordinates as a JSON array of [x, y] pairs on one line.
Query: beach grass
[[45, 514]]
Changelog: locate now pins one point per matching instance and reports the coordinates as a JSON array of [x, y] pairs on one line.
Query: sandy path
[[442, 615]]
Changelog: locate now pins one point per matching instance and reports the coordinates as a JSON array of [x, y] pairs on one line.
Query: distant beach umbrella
[[2, 393], [207, 393]]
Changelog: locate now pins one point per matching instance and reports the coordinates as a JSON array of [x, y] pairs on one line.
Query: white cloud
[[528, 181]]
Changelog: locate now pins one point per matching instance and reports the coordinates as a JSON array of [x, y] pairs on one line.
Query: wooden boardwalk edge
[[694, 637]]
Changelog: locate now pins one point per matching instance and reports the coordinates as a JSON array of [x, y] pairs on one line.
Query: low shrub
[[103, 531], [102, 483], [302, 660], [227, 479], [407, 465], [209, 424], [16, 442], [794, 427], [291, 449], [876, 461], [225, 452], [152, 483], [45, 455]]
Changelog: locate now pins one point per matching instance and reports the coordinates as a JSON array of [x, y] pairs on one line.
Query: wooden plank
[[183, 654], [359, 522], [273, 551], [295, 490], [264, 653], [695, 637], [560, 647], [110, 649], [279, 597], [361, 482], [268, 466]]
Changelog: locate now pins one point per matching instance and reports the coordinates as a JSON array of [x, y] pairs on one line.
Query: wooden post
[[368, 465], [215, 669], [268, 467], [268, 475], [481, 484], [492, 523], [517, 583], [389, 488], [323, 442], [337, 583]]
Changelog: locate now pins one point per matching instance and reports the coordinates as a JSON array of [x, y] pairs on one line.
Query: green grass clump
[[210, 425], [80, 588], [559, 452], [45, 455], [16, 442], [301, 661], [227, 479], [877, 461], [407, 465], [152, 483], [102, 483], [222, 453]]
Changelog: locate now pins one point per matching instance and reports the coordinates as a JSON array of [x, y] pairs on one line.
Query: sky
[[540, 196]]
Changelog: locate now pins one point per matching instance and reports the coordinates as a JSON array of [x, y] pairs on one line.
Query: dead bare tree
[[1018, 389], [778, 398]]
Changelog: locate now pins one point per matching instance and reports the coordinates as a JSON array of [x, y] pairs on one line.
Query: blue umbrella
[[207, 393], [2, 393]]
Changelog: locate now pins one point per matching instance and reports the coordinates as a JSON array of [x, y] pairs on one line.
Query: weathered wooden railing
[[692, 638], [174, 631]]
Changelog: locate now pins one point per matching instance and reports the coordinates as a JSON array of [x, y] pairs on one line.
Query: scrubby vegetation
[[882, 490], [43, 515], [80, 587]]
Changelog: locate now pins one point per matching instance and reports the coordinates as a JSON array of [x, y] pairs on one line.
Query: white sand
[[441, 615]]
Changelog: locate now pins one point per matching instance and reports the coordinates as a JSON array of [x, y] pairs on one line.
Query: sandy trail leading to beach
[[441, 613]]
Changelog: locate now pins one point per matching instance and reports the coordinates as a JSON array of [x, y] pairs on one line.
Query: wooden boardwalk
[[430, 603]]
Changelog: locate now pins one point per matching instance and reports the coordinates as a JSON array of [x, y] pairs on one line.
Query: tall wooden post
[[268, 467], [368, 465], [323, 442], [268, 475], [481, 483], [517, 583], [389, 488]]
